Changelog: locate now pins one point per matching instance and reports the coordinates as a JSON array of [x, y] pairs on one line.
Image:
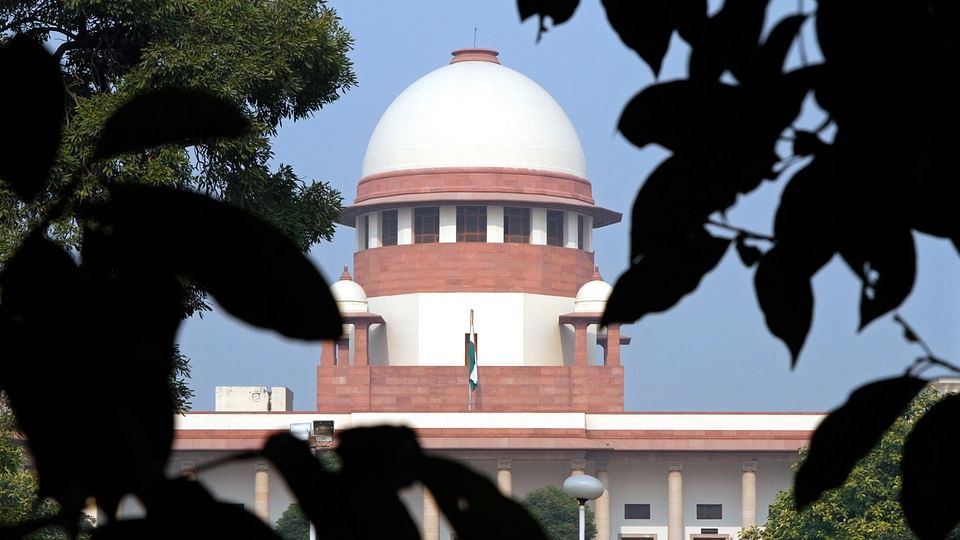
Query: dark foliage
[[84, 331], [888, 83]]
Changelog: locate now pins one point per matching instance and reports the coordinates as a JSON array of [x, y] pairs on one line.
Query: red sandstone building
[[475, 199]]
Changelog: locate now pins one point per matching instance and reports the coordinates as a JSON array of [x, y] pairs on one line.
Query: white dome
[[474, 113], [350, 296], [592, 297]]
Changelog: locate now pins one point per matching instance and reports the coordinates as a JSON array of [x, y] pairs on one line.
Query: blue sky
[[711, 352]]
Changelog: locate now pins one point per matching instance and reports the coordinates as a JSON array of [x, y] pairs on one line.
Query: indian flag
[[473, 377]]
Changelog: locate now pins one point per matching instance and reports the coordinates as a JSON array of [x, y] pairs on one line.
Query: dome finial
[[345, 276], [475, 54], [596, 272]]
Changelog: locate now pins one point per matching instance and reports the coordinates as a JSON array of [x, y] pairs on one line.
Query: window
[[426, 225], [554, 228], [471, 224], [516, 225], [636, 511], [388, 228], [365, 235], [580, 232], [709, 511]]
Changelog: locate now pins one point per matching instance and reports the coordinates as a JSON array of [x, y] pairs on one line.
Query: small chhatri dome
[[349, 295], [592, 296], [474, 112]]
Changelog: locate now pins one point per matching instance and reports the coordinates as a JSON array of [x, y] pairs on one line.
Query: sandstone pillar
[[675, 502], [505, 477], [601, 507], [431, 517], [261, 492], [748, 495]]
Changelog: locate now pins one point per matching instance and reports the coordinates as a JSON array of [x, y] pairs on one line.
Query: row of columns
[[611, 346], [337, 352], [431, 513], [748, 493]]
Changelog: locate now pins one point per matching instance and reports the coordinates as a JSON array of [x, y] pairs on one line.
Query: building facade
[[474, 219]]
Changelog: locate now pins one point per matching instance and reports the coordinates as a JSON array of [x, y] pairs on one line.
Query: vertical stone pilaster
[[343, 352], [580, 344], [602, 505], [748, 495], [612, 350], [577, 466], [505, 476], [431, 517], [675, 502], [261, 492], [360, 349], [328, 353]]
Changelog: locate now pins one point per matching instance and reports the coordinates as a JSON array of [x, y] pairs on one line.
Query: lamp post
[[583, 488]]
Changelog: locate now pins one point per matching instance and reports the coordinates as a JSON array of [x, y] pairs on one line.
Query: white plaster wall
[[445, 317], [538, 226], [448, 224], [242, 398], [495, 224], [635, 480], [542, 341], [772, 477], [513, 328], [712, 482], [395, 342], [404, 226]]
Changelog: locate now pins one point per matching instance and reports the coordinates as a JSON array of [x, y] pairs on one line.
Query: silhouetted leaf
[[41, 293], [646, 26], [383, 455], [183, 509], [730, 41], [684, 116], [849, 433], [169, 116], [658, 280], [473, 505], [33, 94], [252, 270], [931, 482], [559, 11], [338, 504], [782, 282], [885, 260], [749, 255], [773, 53]]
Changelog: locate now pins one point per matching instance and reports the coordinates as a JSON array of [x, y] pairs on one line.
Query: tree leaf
[[848, 433], [686, 116], [730, 41], [885, 259], [931, 483], [559, 11], [658, 280], [773, 52], [34, 95], [646, 26], [338, 504], [252, 270], [782, 282], [169, 116], [473, 505]]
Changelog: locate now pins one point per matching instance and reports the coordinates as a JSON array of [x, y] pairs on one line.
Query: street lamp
[[583, 488]]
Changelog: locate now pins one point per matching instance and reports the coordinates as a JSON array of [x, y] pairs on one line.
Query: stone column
[[580, 344], [505, 477], [601, 507], [748, 495], [431, 517], [611, 353], [675, 502], [360, 344], [343, 352], [328, 353], [577, 466], [261, 492]]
